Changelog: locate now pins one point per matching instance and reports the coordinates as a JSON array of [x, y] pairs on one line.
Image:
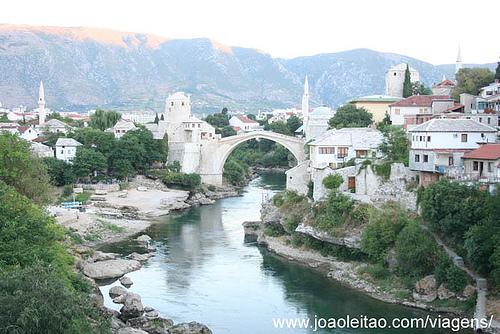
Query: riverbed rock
[[110, 268], [143, 238], [130, 330], [101, 256], [426, 289], [140, 257], [151, 314], [468, 292], [142, 189], [116, 291], [444, 293], [120, 299], [132, 308], [153, 326], [126, 281], [206, 201], [190, 328]]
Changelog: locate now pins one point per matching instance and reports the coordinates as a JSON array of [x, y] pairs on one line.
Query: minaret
[[41, 105], [458, 66], [305, 105]]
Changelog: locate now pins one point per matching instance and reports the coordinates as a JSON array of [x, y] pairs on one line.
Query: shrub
[[275, 231], [67, 191], [333, 212], [333, 181], [212, 188], [183, 181], [292, 222], [123, 185], [416, 251]]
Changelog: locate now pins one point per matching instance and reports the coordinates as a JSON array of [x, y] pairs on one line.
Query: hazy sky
[[427, 30]]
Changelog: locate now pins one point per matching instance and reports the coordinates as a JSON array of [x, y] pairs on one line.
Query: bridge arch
[[217, 156]]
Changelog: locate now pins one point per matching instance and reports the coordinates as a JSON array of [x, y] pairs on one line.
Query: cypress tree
[[407, 87], [497, 73]]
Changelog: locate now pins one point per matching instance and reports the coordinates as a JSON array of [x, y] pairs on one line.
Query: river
[[204, 271]]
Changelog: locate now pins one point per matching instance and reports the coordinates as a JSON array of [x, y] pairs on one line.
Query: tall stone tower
[[458, 66], [395, 78], [177, 110], [41, 105], [305, 105]]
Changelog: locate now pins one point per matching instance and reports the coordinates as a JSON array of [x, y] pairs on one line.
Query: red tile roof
[[486, 152], [40, 139], [419, 100], [446, 83], [23, 128], [236, 128], [245, 120]]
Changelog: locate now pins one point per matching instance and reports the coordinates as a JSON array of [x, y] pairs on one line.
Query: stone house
[[438, 145], [66, 149], [377, 105], [122, 127], [483, 164], [244, 123]]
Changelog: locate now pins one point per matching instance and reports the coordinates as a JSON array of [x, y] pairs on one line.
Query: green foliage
[[183, 181], [38, 299], [263, 153], [252, 117], [333, 181], [381, 233], [111, 227], [348, 116], [377, 271], [310, 190], [293, 123], [416, 251], [20, 169], [156, 120], [96, 139], [67, 191], [342, 253], [275, 231], [497, 71], [418, 88], [123, 185], [332, 212], [212, 188], [218, 120], [280, 127], [396, 145], [104, 119], [452, 208], [385, 122], [234, 171], [27, 234], [61, 172], [470, 80], [288, 198], [292, 222], [383, 170], [407, 85], [175, 167], [87, 161], [228, 131], [83, 197]]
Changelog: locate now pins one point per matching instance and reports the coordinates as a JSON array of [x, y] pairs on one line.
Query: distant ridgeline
[[91, 67]]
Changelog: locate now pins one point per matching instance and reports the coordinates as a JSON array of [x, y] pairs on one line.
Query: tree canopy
[[396, 145], [407, 84], [294, 123], [470, 80], [351, 117], [104, 119]]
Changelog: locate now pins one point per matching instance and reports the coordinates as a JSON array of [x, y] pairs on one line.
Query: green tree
[[157, 120], [104, 119], [60, 171], [407, 84], [418, 88], [234, 171], [416, 251], [497, 71], [294, 123], [252, 117], [163, 148], [228, 131], [280, 127], [88, 161], [396, 145], [218, 120], [25, 172], [162, 118], [101, 141], [386, 121], [333, 181], [351, 117], [470, 80]]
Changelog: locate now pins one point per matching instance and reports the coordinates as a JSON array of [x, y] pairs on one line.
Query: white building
[[140, 117], [317, 122], [66, 148], [122, 127], [395, 78], [417, 109], [335, 147], [186, 133], [438, 145], [28, 132], [244, 123], [54, 125], [41, 150]]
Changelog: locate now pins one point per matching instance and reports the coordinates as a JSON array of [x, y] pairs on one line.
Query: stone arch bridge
[[214, 154]]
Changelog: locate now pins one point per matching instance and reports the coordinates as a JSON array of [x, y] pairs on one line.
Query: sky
[[431, 31]]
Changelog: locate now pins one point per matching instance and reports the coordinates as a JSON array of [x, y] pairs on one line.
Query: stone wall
[[320, 173], [298, 177]]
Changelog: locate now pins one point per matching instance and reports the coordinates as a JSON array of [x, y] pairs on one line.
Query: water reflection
[[204, 271]]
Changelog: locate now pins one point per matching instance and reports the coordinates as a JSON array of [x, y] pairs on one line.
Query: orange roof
[[486, 152], [245, 120], [236, 128], [446, 83], [419, 100]]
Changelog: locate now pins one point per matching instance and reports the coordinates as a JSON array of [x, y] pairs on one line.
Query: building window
[[417, 157], [426, 158], [464, 137], [199, 125], [182, 104], [428, 138], [421, 138], [172, 104], [489, 120], [332, 165], [450, 161], [490, 167], [397, 111], [342, 152], [326, 150], [361, 153], [475, 166], [455, 135]]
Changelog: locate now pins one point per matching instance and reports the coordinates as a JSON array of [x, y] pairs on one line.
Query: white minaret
[[41, 105], [305, 105], [458, 66]]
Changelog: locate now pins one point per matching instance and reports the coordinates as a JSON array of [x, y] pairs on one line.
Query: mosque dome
[[321, 111]]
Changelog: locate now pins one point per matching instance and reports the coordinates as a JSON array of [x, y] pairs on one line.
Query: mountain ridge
[[85, 67]]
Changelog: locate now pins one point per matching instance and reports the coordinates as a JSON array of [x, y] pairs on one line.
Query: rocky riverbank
[[112, 215], [133, 317]]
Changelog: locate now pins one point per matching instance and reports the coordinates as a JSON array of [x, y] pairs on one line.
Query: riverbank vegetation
[[40, 291]]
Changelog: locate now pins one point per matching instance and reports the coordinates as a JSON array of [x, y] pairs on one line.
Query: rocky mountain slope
[[89, 67]]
